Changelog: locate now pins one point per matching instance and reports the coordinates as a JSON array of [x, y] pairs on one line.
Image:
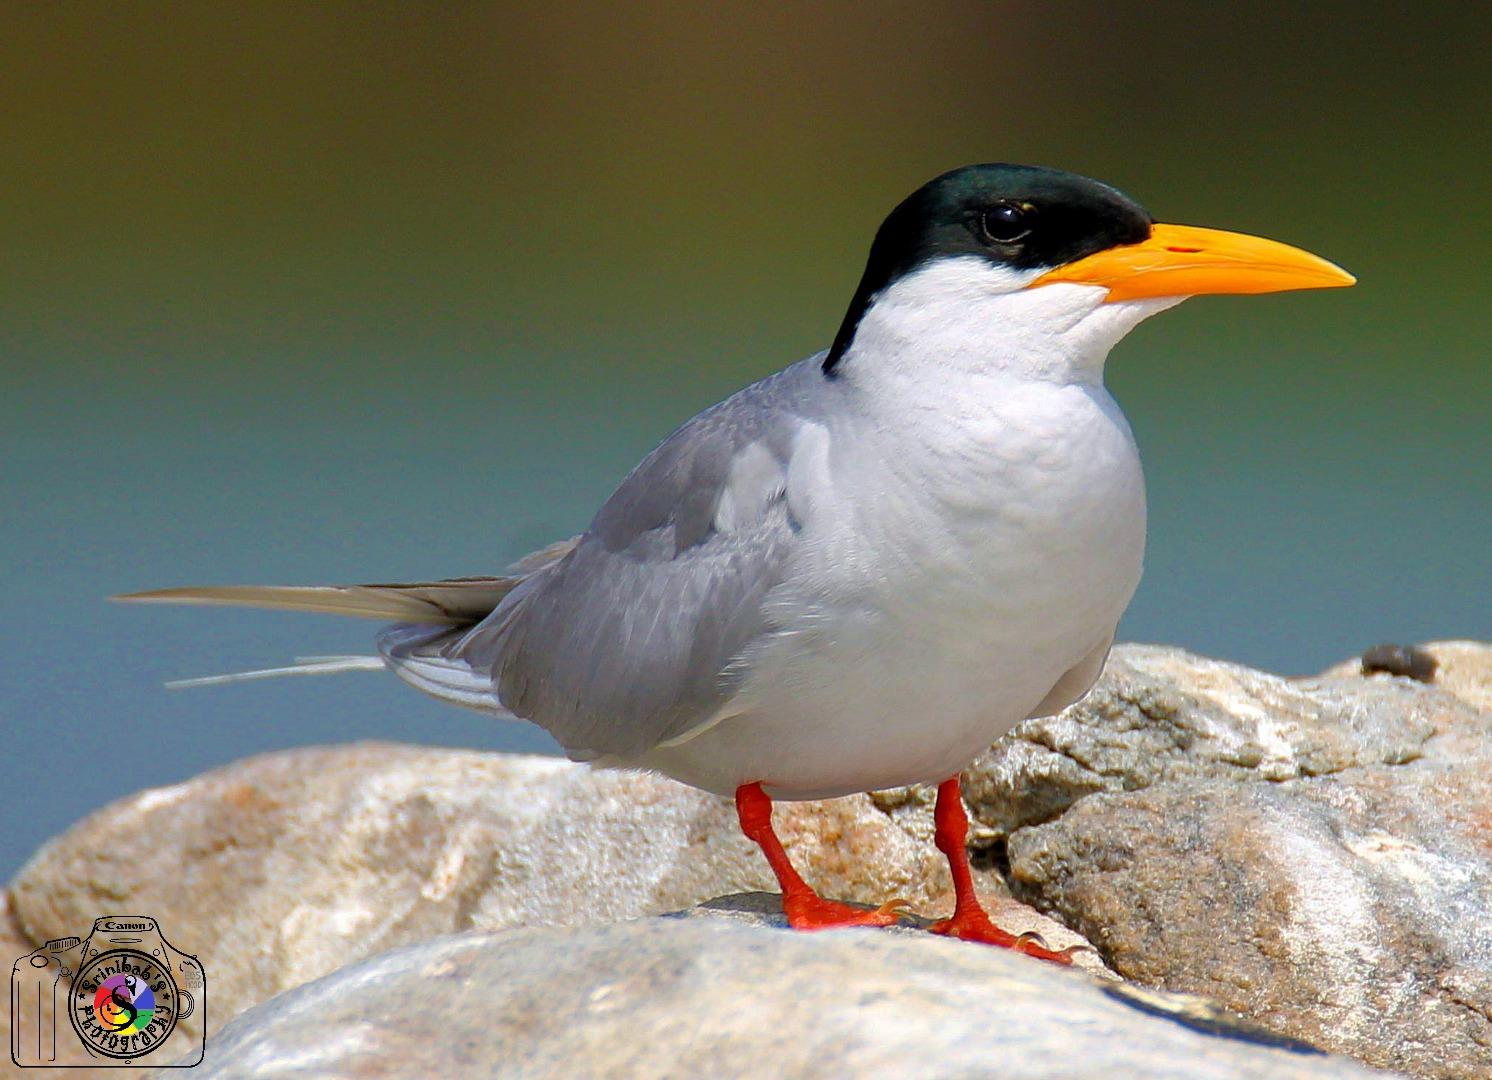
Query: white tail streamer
[[304, 665]]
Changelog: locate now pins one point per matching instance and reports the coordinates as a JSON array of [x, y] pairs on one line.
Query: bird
[[858, 572]]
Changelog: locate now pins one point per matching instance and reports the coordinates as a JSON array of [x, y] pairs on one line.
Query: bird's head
[[1016, 257]]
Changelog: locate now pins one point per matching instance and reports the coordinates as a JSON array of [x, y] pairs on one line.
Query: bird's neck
[[966, 321]]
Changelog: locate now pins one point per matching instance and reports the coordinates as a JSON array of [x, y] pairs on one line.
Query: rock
[[765, 909], [707, 997], [1340, 911], [69, 1052], [1462, 668], [1161, 715], [282, 868], [1315, 854], [1408, 660]]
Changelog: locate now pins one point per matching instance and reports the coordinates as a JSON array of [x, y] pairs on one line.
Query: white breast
[[941, 591]]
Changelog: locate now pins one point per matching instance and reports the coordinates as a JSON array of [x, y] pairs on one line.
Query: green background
[[325, 293]]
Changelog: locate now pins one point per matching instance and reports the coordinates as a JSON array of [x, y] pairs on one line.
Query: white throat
[[967, 316]]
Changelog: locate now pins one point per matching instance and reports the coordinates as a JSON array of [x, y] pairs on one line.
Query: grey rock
[[765, 909], [1162, 714], [1314, 854], [282, 868], [709, 997]]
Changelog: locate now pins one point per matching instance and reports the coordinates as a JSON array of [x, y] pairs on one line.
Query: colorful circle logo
[[124, 1003]]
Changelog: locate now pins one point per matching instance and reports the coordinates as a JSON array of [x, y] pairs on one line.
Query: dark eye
[[1006, 223]]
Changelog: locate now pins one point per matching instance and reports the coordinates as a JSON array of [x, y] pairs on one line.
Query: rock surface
[[707, 997], [284, 867], [765, 909], [13, 945], [1463, 668], [1162, 715], [1314, 854]]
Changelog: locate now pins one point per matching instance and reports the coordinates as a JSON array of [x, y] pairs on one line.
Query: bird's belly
[[930, 629]]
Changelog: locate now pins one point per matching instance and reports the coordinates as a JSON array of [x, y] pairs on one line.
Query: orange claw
[[972, 924], [809, 911]]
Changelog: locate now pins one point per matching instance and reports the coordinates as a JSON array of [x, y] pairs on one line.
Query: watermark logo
[[124, 991]]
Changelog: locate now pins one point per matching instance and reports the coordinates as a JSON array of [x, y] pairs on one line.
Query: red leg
[[805, 909], [970, 921]]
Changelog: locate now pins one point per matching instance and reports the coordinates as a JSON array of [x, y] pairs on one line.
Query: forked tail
[[426, 616], [429, 618]]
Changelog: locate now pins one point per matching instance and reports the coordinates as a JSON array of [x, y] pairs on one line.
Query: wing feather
[[628, 641]]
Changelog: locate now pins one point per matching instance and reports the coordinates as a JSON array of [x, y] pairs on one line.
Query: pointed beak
[[1183, 260]]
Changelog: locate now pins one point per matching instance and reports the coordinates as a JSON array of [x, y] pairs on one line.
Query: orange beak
[[1183, 260]]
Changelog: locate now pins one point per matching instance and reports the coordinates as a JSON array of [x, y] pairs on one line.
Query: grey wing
[[628, 640]]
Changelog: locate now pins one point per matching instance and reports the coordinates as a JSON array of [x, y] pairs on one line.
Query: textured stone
[[280, 869], [765, 909], [1315, 854], [13, 945], [1312, 852], [1462, 668], [1161, 715], [52, 1040], [708, 997]]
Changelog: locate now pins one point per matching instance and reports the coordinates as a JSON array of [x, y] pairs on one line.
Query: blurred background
[[342, 292]]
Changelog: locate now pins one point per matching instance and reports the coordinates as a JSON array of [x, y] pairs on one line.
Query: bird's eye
[[1006, 223]]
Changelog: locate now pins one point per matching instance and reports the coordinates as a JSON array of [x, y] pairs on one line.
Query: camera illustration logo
[[124, 989]]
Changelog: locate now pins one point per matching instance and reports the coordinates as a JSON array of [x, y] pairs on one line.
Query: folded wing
[[628, 641]]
